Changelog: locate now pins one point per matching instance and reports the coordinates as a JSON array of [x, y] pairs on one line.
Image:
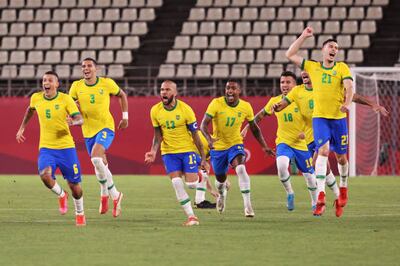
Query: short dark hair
[[90, 59], [233, 81], [329, 40], [289, 74], [52, 73]]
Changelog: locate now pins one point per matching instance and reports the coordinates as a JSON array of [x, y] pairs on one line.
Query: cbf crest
[[56, 106], [178, 117], [101, 91], [239, 114]]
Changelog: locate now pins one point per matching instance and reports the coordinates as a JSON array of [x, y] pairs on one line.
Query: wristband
[[125, 115]]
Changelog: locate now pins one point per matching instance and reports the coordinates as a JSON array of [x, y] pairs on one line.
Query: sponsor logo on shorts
[[319, 141]]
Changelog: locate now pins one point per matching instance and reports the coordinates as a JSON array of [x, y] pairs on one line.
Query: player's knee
[[282, 164], [192, 185], [45, 174], [76, 190], [97, 162], [240, 169], [342, 159]]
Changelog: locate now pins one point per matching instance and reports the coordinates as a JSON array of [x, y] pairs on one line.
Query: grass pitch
[[149, 232]]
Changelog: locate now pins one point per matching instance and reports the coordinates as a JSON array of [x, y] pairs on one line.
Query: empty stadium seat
[[182, 42], [220, 71], [355, 56], [203, 71], [115, 71], [26, 72], [123, 57], [121, 28], [113, 43], [70, 57], [239, 71], [106, 57], [96, 42], [26, 43], [200, 42], [8, 71], [271, 41], [59, 15], [232, 13], [257, 71], [166, 71], [129, 14], [42, 15], [147, 14], [207, 28], [174, 56], [217, 42], [35, 57], [78, 42], [192, 57], [63, 71], [235, 42], [9, 43], [264, 56], [253, 42], [131, 42], [184, 71], [197, 14], [25, 15], [52, 57], [228, 56], [62, 43], [274, 70], [210, 56], [246, 56], [361, 41]]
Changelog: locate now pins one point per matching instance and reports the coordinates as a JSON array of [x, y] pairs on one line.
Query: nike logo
[[192, 167]]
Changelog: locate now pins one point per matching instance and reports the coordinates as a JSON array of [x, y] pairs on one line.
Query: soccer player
[[227, 114], [56, 146], [290, 141], [302, 96], [93, 94], [333, 94], [175, 129]]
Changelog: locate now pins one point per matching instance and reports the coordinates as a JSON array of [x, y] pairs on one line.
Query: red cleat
[[117, 205], [103, 205], [192, 220], [80, 220], [63, 203], [339, 209], [320, 209], [343, 196]]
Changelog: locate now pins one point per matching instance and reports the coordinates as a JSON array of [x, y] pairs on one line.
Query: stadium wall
[[126, 154]]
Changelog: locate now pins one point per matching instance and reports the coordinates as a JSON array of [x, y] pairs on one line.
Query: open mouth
[[230, 97]]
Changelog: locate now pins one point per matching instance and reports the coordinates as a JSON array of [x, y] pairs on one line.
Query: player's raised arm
[[28, 115], [123, 101], [150, 156], [260, 138], [357, 98], [291, 53]]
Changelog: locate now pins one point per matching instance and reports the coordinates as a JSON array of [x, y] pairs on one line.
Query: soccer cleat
[[290, 202], [117, 205], [80, 220], [342, 196], [63, 203], [338, 207], [192, 220], [103, 205], [221, 200], [320, 209], [313, 207], [205, 204], [249, 212]]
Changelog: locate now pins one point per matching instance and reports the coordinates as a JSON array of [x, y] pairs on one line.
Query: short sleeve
[[345, 72], [153, 117], [250, 113], [307, 65], [268, 106], [113, 87], [212, 108], [73, 91], [72, 109], [291, 96]]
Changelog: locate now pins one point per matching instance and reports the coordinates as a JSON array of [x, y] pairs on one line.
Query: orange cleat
[[192, 220], [117, 205], [80, 220], [343, 196], [103, 205], [63, 203], [339, 208], [320, 209]]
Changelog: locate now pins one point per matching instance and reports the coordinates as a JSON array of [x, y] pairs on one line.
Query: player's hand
[[269, 151], [381, 110], [308, 32], [20, 135], [69, 121], [149, 157], [344, 108], [211, 144], [244, 131], [302, 135], [203, 164], [275, 108], [123, 124]]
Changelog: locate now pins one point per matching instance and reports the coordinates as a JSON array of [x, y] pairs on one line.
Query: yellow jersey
[[94, 102], [290, 124], [329, 91], [227, 121], [174, 127], [303, 98], [52, 114]]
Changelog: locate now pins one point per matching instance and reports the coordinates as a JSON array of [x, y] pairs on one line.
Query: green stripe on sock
[[245, 191], [331, 185], [103, 181], [183, 202], [287, 179], [201, 189], [320, 176], [312, 188], [110, 187]]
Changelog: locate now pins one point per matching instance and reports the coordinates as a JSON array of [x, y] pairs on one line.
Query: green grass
[[149, 232]]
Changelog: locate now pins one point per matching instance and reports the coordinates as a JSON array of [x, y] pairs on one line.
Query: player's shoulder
[[156, 107], [106, 80], [276, 99], [37, 96]]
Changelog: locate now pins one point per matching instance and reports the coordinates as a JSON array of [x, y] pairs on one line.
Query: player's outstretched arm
[[204, 129], [357, 98], [291, 53], [348, 85], [200, 148], [260, 138], [123, 101], [150, 156], [28, 115], [257, 118], [280, 106], [75, 120]]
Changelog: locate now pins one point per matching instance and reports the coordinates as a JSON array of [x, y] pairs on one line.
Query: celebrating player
[[93, 94], [333, 93], [56, 111], [175, 129], [227, 114]]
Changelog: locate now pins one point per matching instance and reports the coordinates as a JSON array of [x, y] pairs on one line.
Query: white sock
[[282, 164], [58, 190], [344, 173], [221, 187], [110, 184], [78, 205], [312, 187], [321, 165], [244, 184], [192, 185], [201, 187], [331, 183], [100, 170], [182, 196]]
